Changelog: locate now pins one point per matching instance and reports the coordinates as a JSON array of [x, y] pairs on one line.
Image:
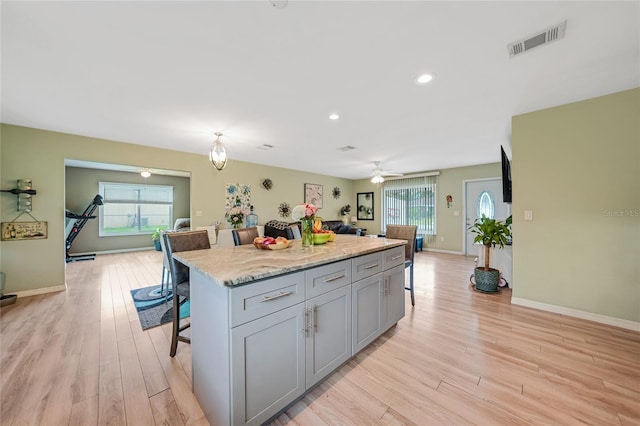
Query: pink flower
[[304, 211]]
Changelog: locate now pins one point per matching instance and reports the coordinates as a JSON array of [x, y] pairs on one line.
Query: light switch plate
[[528, 215]]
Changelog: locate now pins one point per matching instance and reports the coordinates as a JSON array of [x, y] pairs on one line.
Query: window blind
[[118, 193], [410, 201]]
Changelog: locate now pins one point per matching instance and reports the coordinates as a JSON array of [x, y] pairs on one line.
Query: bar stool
[[176, 242]]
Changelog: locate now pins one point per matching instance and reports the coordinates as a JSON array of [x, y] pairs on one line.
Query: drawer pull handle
[[396, 257], [371, 266], [337, 277], [275, 296]]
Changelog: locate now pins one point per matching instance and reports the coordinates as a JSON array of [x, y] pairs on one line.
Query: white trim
[[443, 251], [602, 319], [436, 173], [44, 290], [113, 251]]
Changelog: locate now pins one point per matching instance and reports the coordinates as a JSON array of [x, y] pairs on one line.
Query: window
[[410, 201], [131, 209], [486, 206]]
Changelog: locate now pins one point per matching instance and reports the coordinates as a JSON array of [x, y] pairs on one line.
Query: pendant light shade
[[218, 155]]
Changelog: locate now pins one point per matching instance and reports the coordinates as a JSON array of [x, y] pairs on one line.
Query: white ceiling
[[170, 74]]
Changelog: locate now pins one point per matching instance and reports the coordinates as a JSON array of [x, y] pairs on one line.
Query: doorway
[[482, 196]]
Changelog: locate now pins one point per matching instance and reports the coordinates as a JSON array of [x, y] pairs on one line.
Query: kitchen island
[[268, 325]]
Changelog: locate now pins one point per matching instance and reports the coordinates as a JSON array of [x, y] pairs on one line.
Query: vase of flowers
[[306, 214], [235, 217]]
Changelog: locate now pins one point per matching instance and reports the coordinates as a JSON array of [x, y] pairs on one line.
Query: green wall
[[40, 155], [577, 168], [450, 227], [81, 186]]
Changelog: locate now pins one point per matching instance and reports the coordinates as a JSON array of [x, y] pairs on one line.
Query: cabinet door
[[393, 306], [267, 365], [366, 306], [328, 342]]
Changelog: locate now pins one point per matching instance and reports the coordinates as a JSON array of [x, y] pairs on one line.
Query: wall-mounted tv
[[506, 177]]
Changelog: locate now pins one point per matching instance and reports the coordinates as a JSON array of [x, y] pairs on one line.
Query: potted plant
[[491, 233], [345, 213], [155, 237]]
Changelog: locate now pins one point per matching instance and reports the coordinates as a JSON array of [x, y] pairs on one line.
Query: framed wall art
[[365, 206], [14, 231], [313, 194]]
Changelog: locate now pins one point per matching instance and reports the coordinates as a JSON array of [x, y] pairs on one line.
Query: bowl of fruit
[[321, 238], [270, 243]]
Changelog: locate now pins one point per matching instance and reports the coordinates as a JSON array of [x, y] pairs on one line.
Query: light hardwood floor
[[459, 357]]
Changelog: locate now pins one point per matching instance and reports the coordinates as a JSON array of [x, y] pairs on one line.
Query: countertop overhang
[[232, 266]]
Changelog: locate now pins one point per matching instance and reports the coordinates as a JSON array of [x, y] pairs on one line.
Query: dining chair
[[166, 272], [244, 236], [176, 242], [408, 233]]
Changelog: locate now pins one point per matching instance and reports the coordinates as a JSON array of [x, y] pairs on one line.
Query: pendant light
[[218, 155]]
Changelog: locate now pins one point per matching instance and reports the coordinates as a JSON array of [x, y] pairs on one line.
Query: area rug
[[156, 308]]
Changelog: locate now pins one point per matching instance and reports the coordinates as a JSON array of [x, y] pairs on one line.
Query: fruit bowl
[[321, 238], [269, 243]]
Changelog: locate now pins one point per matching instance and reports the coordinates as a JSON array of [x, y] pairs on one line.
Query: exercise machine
[[75, 223]]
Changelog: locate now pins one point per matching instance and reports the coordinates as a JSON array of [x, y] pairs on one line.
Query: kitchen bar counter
[[232, 266], [268, 325]]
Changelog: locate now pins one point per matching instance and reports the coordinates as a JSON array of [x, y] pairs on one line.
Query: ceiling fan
[[378, 175]]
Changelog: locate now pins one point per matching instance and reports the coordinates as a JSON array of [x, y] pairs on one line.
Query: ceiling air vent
[[346, 148], [546, 36]]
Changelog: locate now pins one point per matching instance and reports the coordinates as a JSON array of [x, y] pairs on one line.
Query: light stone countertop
[[231, 266]]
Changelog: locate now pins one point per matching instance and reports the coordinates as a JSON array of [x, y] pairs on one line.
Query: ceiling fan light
[[377, 179], [217, 154], [145, 173]]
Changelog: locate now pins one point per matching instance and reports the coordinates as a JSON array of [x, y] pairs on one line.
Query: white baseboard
[[114, 251], [37, 291], [602, 319], [442, 251]]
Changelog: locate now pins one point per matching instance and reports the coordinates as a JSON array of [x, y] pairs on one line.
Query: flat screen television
[[506, 176]]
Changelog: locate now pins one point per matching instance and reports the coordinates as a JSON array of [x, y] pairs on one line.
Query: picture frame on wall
[[313, 194], [364, 206]]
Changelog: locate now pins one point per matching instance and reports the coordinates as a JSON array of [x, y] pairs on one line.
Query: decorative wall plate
[[284, 210], [267, 184], [336, 192]]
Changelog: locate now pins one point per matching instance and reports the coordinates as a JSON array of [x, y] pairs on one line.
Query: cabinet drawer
[[392, 257], [326, 278], [366, 266], [256, 300]]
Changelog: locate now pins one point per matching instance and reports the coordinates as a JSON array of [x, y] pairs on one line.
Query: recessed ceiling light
[[424, 78], [334, 116]]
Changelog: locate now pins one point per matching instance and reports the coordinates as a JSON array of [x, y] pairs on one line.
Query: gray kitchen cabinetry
[[378, 297], [259, 347]]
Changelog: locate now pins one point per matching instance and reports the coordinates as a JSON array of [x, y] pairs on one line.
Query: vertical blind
[[410, 201]]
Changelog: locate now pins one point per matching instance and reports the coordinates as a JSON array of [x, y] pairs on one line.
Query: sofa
[[340, 228], [278, 228]]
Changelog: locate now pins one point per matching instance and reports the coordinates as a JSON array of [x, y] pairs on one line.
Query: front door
[[483, 196]]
